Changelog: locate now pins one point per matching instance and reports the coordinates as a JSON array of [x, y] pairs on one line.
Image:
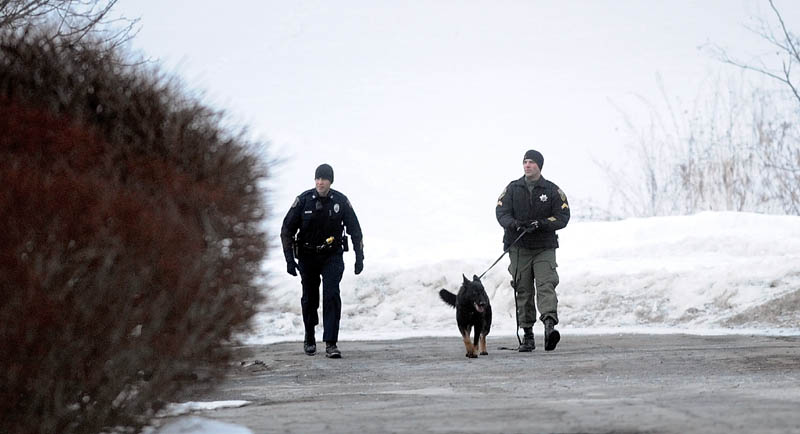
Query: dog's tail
[[448, 297]]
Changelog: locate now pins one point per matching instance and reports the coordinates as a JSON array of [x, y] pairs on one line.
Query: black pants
[[329, 268]]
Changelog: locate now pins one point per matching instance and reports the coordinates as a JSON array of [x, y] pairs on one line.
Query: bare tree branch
[[792, 48], [74, 19], [786, 44]]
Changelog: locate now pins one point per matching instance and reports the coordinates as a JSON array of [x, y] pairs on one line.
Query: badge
[[543, 198], [336, 207]]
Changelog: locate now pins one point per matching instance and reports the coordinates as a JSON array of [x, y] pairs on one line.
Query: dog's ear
[[465, 278], [476, 278]]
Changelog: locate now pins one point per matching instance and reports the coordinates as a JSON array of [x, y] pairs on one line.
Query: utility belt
[[328, 246]]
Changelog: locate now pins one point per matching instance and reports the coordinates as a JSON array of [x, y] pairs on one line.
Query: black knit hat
[[535, 156], [324, 171]]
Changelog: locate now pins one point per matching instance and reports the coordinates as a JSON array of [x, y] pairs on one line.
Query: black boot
[[310, 344], [528, 343], [331, 351], [551, 335]]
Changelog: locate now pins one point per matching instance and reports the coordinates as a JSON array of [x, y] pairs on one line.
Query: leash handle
[[501, 256]]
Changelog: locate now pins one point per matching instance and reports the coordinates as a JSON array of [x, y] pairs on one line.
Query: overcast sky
[[425, 108]]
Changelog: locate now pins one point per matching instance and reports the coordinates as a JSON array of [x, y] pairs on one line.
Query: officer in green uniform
[[538, 208]]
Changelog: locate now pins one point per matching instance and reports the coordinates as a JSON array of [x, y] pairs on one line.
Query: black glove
[[291, 267], [532, 226], [359, 265], [529, 226]]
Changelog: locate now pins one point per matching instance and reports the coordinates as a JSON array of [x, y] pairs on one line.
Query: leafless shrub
[[777, 138], [719, 154]]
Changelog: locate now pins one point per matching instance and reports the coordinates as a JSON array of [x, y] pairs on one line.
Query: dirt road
[[590, 384]]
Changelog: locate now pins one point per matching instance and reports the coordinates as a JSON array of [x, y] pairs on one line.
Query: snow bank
[[698, 274]]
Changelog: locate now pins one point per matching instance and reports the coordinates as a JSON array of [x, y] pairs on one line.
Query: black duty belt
[[327, 246]]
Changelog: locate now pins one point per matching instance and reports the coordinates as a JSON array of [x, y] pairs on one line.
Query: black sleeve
[[560, 213], [291, 223], [504, 210], [353, 229]]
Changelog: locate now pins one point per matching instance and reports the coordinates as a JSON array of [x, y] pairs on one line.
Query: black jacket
[[317, 219], [548, 205]]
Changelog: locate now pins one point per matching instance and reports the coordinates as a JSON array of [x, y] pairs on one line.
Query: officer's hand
[[291, 267], [532, 226], [519, 225], [359, 266]]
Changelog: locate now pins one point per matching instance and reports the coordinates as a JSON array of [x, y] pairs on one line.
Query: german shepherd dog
[[472, 310]]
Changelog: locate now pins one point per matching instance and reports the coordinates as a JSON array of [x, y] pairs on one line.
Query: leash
[[516, 307], [516, 314], [504, 253]]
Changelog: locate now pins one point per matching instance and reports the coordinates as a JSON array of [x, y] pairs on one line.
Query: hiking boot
[[527, 344], [551, 335], [331, 351], [310, 344]]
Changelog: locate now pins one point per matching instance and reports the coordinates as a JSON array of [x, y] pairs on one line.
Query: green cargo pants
[[526, 266]]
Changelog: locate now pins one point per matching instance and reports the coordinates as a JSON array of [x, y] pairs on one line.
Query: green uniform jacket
[[547, 204]]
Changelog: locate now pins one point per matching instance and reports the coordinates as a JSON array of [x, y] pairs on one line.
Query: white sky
[[424, 109]]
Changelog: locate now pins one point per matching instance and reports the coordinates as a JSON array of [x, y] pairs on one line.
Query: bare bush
[[737, 148], [132, 238], [649, 190], [718, 155], [779, 143], [778, 139]]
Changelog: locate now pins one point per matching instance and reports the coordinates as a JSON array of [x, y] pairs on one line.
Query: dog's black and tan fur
[[472, 311]]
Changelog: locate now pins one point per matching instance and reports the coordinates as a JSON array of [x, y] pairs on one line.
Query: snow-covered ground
[[706, 273]]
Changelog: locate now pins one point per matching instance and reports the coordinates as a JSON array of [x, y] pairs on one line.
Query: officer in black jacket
[[533, 208], [321, 215]]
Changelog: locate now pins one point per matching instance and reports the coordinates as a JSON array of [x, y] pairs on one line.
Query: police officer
[[533, 208], [321, 214]]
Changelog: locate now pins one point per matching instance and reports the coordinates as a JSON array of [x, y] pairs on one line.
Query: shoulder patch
[[502, 195], [296, 201], [563, 196]]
